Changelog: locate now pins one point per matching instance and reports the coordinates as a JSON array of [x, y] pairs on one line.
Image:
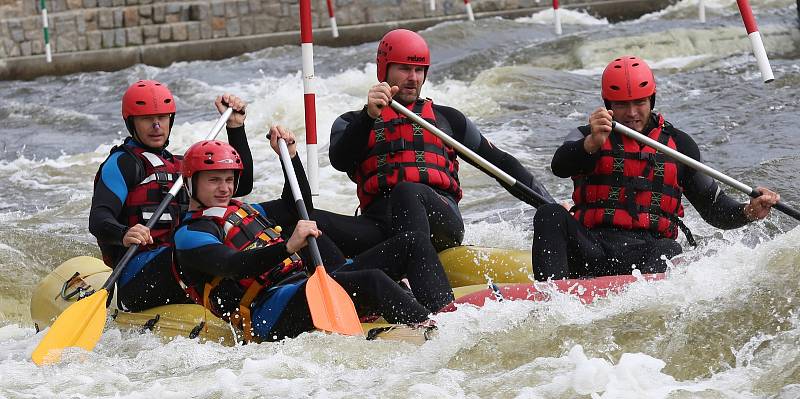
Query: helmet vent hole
[[167, 101], [643, 84], [613, 87], [635, 64], [208, 162], [617, 66], [140, 103]]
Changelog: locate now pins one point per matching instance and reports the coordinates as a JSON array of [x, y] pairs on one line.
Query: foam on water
[[568, 17], [723, 324]]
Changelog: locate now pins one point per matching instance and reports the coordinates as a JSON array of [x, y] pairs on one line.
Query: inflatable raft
[[80, 276], [477, 274]]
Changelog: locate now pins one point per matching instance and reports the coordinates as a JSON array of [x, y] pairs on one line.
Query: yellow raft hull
[[81, 275], [469, 265]]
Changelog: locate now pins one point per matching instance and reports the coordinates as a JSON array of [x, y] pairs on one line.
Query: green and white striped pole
[[47, 51]]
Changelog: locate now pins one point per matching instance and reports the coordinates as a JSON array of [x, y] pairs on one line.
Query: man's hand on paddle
[[279, 131], [304, 229], [378, 97], [225, 101], [600, 124], [759, 207], [138, 234]]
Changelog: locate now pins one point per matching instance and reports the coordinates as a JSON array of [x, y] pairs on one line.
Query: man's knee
[[549, 214]]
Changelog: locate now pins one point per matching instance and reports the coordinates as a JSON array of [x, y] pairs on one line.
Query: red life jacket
[[244, 228], [157, 175], [632, 187], [400, 150]]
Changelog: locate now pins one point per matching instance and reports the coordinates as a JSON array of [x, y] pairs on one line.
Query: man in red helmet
[[628, 196], [239, 264], [406, 177], [131, 183]]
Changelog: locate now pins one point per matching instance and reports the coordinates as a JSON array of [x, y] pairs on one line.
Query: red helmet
[[628, 78], [401, 46], [210, 155], [147, 97]]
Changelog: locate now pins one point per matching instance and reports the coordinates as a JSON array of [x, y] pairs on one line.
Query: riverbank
[[353, 29]]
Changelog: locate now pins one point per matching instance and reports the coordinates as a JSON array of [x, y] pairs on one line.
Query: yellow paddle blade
[[81, 325], [330, 305]]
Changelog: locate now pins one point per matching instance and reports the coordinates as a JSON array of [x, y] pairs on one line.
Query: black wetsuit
[[410, 206], [370, 277], [147, 280], [564, 248]]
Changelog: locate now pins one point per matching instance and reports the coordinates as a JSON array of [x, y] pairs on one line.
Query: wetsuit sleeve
[[237, 138], [458, 126], [705, 194], [571, 159], [114, 180], [349, 137], [199, 247]]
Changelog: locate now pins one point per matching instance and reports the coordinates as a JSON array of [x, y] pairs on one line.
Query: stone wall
[[113, 34], [79, 25]]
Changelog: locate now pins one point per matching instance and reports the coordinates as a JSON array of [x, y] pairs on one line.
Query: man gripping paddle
[[628, 196], [244, 268]]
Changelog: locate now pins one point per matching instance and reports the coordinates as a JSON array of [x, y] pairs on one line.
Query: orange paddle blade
[[81, 325], [331, 307]]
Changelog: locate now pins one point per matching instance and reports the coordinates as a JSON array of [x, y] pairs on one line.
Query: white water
[[723, 325]]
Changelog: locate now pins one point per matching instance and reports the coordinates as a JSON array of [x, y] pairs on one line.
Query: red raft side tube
[[587, 290]]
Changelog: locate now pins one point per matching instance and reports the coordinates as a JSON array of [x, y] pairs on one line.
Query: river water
[[725, 324]]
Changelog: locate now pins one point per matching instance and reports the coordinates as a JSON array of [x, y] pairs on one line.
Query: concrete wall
[[114, 34]]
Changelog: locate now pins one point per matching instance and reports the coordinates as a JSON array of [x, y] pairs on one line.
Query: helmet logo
[[415, 58], [226, 160]]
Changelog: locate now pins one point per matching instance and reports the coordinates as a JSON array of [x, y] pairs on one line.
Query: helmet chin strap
[[192, 194]]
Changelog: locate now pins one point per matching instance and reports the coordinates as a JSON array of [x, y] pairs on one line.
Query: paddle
[[331, 307], [700, 167], [463, 150], [81, 324]]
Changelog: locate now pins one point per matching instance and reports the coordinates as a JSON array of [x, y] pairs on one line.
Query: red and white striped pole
[[309, 102], [334, 28], [755, 40], [701, 11], [470, 15], [556, 17]]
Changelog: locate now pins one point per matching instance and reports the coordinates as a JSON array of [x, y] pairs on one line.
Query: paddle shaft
[[286, 160], [471, 155], [112, 279], [700, 167]]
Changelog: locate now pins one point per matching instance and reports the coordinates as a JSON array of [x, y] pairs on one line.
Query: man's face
[[633, 114], [409, 78], [152, 130], [214, 187]]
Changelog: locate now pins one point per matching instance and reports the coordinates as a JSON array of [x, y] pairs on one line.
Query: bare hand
[[279, 131], [600, 124], [137, 234], [238, 105], [304, 229], [759, 207], [378, 97]]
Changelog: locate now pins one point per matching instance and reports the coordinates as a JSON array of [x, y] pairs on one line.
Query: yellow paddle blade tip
[[80, 325]]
